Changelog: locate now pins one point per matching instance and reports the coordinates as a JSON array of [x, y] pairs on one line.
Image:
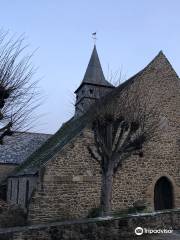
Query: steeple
[[94, 74], [93, 86]]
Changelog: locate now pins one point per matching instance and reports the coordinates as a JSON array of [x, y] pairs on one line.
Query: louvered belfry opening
[[163, 194]]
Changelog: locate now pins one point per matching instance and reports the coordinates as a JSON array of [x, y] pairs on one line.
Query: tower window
[[77, 97], [91, 91], [82, 91]]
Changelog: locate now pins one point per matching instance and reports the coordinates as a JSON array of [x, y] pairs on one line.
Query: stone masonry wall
[[70, 186], [161, 154], [6, 169]]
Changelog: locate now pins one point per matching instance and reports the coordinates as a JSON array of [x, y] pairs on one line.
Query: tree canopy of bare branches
[[18, 93], [120, 128]]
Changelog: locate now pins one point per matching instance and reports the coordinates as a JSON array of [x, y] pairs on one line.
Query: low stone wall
[[98, 229]]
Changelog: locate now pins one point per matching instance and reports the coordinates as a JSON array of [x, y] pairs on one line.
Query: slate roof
[[68, 130], [94, 74], [74, 126], [20, 146]]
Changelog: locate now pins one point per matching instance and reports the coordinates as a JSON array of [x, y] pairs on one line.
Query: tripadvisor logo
[[139, 231]]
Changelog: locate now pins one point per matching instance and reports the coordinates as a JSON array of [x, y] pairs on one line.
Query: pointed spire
[[94, 74]]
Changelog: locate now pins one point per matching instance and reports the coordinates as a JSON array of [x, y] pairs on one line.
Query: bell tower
[[93, 86]]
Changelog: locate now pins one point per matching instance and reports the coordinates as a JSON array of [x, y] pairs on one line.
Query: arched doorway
[[163, 194]]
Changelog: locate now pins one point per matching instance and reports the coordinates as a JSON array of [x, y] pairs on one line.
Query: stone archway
[[163, 194]]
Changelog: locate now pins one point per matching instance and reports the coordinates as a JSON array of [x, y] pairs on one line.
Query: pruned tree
[[122, 123], [18, 93]]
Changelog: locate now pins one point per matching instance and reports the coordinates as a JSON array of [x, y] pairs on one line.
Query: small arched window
[[91, 91]]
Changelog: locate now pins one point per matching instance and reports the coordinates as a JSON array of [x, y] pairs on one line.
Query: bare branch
[[94, 153], [18, 93]]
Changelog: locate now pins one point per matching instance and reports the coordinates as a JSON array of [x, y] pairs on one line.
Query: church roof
[[20, 146], [94, 74], [75, 125], [68, 130]]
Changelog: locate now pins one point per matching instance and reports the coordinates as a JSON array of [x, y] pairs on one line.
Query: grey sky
[[130, 33]]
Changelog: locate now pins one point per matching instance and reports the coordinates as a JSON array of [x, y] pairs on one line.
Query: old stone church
[[61, 180]]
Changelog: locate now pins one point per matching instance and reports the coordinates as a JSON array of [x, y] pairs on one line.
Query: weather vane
[[94, 37]]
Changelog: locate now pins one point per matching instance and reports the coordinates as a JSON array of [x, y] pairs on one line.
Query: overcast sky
[[130, 33]]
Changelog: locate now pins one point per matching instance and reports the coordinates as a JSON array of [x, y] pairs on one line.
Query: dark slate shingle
[[20, 146]]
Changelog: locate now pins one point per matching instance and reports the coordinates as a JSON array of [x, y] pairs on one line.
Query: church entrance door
[[163, 194]]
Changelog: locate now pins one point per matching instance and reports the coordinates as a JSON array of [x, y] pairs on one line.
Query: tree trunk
[[106, 192]]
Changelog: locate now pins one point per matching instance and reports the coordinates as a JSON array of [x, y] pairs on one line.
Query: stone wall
[[6, 169], [99, 229], [69, 186], [161, 154], [87, 95]]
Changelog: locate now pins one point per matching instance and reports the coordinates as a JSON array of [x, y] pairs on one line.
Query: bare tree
[[120, 127], [18, 93], [116, 77]]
